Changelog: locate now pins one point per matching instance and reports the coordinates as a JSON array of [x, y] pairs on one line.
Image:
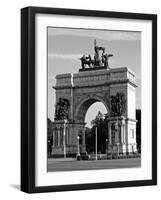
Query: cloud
[[64, 56], [70, 57], [96, 34]]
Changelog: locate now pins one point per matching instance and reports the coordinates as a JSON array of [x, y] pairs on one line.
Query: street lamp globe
[[78, 153], [65, 121]]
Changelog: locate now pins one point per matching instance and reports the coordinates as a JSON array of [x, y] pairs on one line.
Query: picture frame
[[29, 64]]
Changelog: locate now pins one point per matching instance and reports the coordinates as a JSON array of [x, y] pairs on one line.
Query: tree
[[138, 129], [101, 123], [98, 120], [49, 136]]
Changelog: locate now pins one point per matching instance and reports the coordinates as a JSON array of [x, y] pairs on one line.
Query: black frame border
[[28, 98]]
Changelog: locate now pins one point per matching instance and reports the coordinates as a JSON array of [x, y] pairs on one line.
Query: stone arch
[[82, 90], [83, 106]]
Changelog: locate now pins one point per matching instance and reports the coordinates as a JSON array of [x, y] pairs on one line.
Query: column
[[116, 133], [122, 134], [109, 133], [69, 135], [53, 138], [84, 137], [58, 136], [64, 136]]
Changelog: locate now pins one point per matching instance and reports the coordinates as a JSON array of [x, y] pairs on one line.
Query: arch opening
[[90, 108], [93, 111], [95, 114]]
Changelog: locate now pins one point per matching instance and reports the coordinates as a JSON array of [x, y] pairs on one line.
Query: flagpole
[[96, 143], [117, 136], [65, 121]]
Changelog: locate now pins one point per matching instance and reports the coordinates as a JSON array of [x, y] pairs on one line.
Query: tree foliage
[[101, 123], [49, 136]]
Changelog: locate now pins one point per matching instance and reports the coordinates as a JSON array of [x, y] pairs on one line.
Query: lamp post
[[96, 143], [78, 154], [117, 132], [65, 121], [49, 147]]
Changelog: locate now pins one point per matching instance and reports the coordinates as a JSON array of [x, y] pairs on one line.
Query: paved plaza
[[72, 164]]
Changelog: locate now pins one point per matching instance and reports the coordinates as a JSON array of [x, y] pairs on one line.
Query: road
[[73, 165]]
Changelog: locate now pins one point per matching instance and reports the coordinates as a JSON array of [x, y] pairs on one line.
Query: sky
[[67, 45]]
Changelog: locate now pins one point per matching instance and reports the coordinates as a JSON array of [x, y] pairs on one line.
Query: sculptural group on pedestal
[[117, 104], [98, 60], [62, 109]]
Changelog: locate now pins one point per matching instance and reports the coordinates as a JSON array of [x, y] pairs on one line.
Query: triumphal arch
[[95, 82]]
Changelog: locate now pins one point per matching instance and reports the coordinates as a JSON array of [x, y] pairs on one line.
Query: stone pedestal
[[122, 136], [70, 137]]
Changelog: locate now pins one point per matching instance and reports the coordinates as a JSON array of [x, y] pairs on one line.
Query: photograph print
[[94, 99]]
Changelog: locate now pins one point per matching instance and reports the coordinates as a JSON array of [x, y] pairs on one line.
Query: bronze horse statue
[[86, 60]]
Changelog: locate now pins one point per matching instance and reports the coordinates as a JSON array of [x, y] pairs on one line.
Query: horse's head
[[82, 58]]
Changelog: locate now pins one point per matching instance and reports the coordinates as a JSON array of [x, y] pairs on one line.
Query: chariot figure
[[97, 57]]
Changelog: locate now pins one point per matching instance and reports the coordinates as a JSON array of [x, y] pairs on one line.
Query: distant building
[[138, 130], [49, 136]]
